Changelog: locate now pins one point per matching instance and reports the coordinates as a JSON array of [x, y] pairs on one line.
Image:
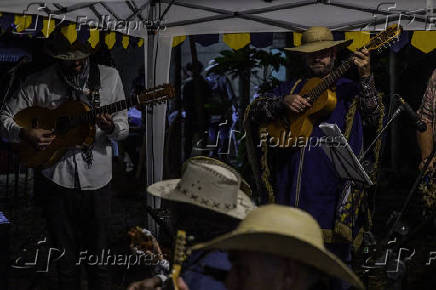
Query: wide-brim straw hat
[[208, 183], [318, 38], [59, 47], [286, 232]]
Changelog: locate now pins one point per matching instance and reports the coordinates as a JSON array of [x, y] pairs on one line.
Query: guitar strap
[[94, 86]]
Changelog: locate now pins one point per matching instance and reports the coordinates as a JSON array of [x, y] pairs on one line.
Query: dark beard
[[321, 73]]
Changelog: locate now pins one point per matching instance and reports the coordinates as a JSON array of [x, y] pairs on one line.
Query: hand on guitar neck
[[105, 123], [39, 138], [363, 62]]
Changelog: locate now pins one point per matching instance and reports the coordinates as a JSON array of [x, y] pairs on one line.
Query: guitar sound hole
[[62, 125]]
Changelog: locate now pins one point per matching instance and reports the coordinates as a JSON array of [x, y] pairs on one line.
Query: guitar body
[[301, 124], [66, 136]]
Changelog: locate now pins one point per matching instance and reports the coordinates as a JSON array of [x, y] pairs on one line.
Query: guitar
[[74, 124], [320, 94]]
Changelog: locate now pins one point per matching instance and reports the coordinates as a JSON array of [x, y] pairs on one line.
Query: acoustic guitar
[[74, 124], [319, 92]]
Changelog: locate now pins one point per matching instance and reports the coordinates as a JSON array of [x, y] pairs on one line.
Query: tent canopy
[[184, 17]]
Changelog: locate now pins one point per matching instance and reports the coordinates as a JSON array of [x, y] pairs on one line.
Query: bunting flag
[[125, 41], [178, 39], [22, 22], [70, 32], [141, 42], [402, 41], [297, 38], [236, 40], [94, 37], [110, 39], [425, 41], [360, 38], [261, 39], [48, 27], [206, 39]]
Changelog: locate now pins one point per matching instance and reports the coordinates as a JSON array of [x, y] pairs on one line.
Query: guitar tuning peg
[[189, 251]]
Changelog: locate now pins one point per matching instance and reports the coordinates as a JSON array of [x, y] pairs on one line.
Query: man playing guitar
[[303, 177], [74, 192]]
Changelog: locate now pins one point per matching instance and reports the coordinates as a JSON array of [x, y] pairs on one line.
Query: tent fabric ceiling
[[210, 16]]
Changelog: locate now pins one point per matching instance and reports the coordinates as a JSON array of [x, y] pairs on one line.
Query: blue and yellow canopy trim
[[40, 26], [425, 41]]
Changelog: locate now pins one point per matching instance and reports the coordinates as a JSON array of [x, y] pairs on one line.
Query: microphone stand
[[369, 241], [397, 217], [385, 127]]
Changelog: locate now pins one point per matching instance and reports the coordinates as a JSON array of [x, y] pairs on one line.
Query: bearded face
[[73, 67], [320, 63]]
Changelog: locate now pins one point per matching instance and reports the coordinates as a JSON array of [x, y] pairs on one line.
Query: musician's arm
[[270, 106], [369, 103], [9, 129], [120, 119], [426, 113]]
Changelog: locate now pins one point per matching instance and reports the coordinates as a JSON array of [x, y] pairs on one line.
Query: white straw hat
[[208, 183]]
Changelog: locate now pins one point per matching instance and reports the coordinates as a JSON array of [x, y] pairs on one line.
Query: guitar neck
[[148, 97], [109, 109]]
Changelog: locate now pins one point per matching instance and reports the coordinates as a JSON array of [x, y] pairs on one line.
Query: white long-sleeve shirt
[[47, 89]]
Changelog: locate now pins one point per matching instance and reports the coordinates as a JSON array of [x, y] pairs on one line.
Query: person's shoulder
[[108, 70], [433, 78], [41, 75]]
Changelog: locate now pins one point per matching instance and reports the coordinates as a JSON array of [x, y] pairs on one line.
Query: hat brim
[[74, 55], [284, 246], [166, 189], [319, 45]]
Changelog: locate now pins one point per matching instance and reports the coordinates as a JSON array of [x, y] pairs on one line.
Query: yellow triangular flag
[[425, 41], [70, 32], [110, 39], [22, 22], [236, 40], [360, 38], [297, 38], [178, 39], [48, 27], [94, 37], [125, 41]]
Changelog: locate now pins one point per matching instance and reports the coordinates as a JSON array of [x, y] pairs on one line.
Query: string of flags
[[39, 26], [425, 41]]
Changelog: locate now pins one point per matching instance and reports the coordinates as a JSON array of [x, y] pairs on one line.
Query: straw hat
[[58, 46], [286, 232], [318, 38], [208, 183]]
